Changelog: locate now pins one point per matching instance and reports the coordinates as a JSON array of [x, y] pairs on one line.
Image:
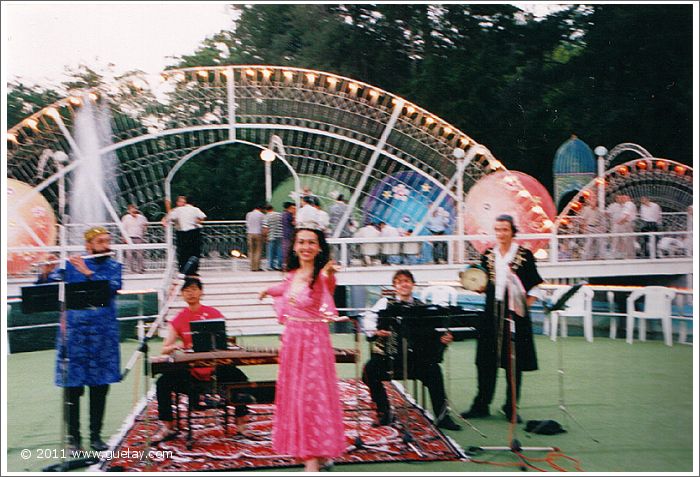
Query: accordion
[[422, 326]]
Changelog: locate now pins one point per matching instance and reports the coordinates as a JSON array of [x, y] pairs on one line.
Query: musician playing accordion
[[386, 361]]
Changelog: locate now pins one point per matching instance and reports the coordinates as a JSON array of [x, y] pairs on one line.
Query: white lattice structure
[[331, 126], [666, 182]]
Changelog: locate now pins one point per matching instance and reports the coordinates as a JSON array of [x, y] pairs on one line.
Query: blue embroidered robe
[[92, 335]]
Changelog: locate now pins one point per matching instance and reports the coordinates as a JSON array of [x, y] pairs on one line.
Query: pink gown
[[308, 419]]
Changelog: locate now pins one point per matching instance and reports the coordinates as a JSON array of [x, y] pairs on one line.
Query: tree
[[24, 100]]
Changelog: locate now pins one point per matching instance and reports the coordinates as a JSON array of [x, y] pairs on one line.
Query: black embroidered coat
[[523, 265]]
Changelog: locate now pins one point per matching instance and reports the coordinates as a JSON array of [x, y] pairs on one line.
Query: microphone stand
[[514, 444], [560, 355], [406, 436], [66, 463], [358, 444]]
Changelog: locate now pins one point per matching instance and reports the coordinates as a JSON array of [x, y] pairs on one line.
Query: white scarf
[[506, 280]]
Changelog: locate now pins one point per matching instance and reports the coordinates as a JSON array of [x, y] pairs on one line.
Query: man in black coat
[[510, 291]]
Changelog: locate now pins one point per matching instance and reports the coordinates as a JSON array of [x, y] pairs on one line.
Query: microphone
[[565, 297]]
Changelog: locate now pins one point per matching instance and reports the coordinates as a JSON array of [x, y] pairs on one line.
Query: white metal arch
[[666, 182], [372, 132]]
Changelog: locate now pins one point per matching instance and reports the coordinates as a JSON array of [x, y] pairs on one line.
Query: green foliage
[[610, 73], [24, 100], [226, 182]]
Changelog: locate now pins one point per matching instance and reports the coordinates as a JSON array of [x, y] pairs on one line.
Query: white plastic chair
[[581, 304], [684, 319], [439, 295], [657, 306]]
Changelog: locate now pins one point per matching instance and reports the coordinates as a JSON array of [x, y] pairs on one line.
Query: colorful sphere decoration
[[513, 193], [402, 200], [35, 214]]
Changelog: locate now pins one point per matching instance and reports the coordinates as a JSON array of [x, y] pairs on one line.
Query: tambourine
[[474, 278]]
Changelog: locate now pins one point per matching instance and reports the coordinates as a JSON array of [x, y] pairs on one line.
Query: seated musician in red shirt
[[183, 380]]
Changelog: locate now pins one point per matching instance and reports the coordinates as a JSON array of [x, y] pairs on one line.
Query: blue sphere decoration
[[403, 199]]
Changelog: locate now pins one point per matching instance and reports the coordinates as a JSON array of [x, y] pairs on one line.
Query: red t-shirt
[[181, 323]]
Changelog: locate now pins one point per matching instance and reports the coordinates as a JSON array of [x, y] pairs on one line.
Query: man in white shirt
[[308, 213], [437, 225], [593, 223], [614, 213], [188, 225], [386, 361], [368, 250], [626, 222], [390, 250], [322, 217], [410, 250], [134, 224], [650, 214], [254, 225]]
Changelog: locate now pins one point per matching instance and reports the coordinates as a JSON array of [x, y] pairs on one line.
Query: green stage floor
[[635, 400]]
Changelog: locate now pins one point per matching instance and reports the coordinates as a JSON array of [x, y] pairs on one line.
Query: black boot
[[73, 444], [475, 412], [384, 418], [447, 423], [98, 398], [508, 411], [97, 444], [73, 417]]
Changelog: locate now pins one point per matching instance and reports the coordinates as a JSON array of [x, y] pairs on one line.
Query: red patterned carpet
[[215, 450]]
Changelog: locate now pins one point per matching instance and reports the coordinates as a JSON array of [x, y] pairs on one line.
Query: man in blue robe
[[88, 341]]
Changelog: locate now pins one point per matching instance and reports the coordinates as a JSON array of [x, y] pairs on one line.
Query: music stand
[[40, 298], [419, 328], [208, 335], [358, 444], [559, 305], [61, 297]]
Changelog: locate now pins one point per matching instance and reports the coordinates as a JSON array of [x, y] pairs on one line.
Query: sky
[[40, 39]]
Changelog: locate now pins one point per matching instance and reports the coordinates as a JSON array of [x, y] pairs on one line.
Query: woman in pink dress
[[308, 420]]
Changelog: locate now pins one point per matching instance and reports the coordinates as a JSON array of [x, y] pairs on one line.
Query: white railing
[[219, 239]]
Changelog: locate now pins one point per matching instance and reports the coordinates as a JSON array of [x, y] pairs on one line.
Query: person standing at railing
[[437, 224], [628, 216], [614, 214], [335, 213], [288, 215], [368, 250], [593, 223], [188, 225], [254, 224], [272, 232], [322, 216], [308, 419], [134, 224], [650, 214], [410, 250]]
